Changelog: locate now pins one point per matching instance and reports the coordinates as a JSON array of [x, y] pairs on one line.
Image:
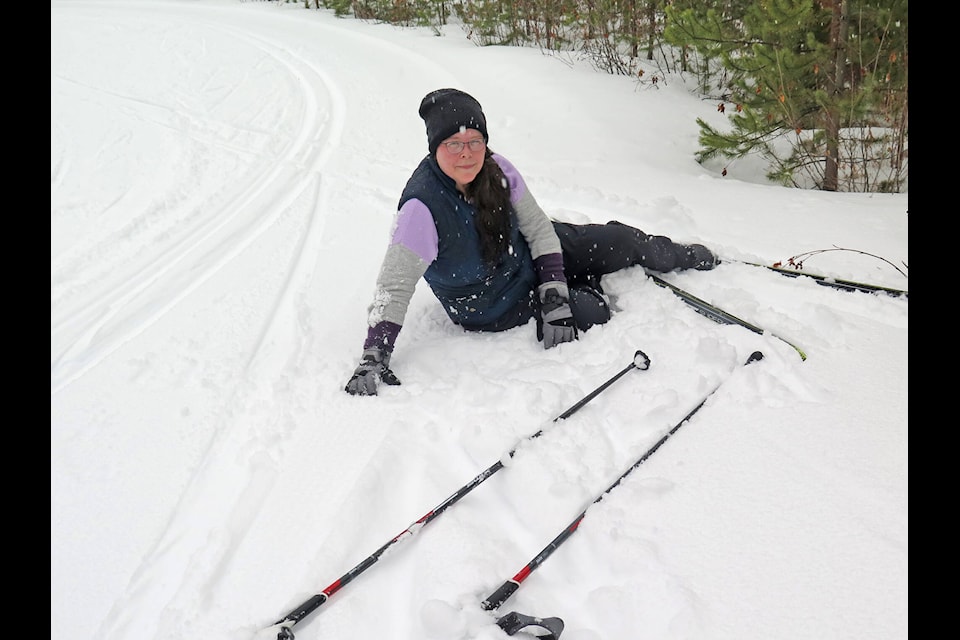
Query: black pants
[[593, 250]]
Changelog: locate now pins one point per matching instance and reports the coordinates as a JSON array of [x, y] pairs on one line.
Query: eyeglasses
[[455, 146]]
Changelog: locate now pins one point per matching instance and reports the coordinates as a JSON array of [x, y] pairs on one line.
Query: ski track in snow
[[234, 226], [190, 548], [194, 545], [190, 555]]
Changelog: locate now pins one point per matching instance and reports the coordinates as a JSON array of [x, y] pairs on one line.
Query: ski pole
[[283, 627], [715, 313], [507, 589]]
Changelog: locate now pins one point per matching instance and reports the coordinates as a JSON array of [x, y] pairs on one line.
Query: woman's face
[[464, 164]]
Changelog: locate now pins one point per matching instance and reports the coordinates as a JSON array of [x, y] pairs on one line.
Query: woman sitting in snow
[[470, 227]]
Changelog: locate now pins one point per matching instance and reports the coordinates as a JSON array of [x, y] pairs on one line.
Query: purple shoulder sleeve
[[416, 230], [517, 186]]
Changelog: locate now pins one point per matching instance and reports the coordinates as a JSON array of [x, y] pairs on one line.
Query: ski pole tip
[[641, 360], [756, 355]]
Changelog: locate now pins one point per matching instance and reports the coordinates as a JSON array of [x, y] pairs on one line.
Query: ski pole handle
[[641, 361], [501, 595]]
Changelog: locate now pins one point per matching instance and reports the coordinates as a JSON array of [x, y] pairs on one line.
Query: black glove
[[373, 369], [557, 318]]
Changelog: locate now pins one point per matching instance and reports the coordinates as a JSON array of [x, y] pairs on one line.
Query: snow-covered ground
[[223, 181]]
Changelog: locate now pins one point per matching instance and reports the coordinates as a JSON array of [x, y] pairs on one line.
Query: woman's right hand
[[373, 369]]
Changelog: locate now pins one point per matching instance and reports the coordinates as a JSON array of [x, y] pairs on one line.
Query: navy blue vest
[[473, 293]]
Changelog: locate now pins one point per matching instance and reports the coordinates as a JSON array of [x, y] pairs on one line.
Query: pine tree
[[816, 87]]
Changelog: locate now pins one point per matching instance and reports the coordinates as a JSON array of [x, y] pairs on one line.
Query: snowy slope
[[223, 181]]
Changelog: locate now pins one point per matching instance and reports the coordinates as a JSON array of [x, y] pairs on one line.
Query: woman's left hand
[[558, 323]]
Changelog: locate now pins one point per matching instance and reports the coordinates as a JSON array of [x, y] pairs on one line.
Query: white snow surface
[[224, 177]]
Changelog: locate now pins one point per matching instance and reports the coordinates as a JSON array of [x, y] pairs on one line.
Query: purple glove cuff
[[550, 267], [382, 336]]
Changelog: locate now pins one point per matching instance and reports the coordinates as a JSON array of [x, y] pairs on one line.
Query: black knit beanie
[[446, 112]]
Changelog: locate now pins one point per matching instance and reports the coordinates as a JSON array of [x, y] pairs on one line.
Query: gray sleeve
[[399, 274], [536, 226], [413, 246], [534, 223]]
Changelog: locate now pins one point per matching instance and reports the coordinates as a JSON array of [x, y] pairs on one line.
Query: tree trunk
[[838, 45]]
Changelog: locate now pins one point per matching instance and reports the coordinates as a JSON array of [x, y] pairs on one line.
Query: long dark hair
[[490, 194]]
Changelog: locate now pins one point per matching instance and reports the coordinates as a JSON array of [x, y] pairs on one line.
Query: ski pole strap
[[513, 622]]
